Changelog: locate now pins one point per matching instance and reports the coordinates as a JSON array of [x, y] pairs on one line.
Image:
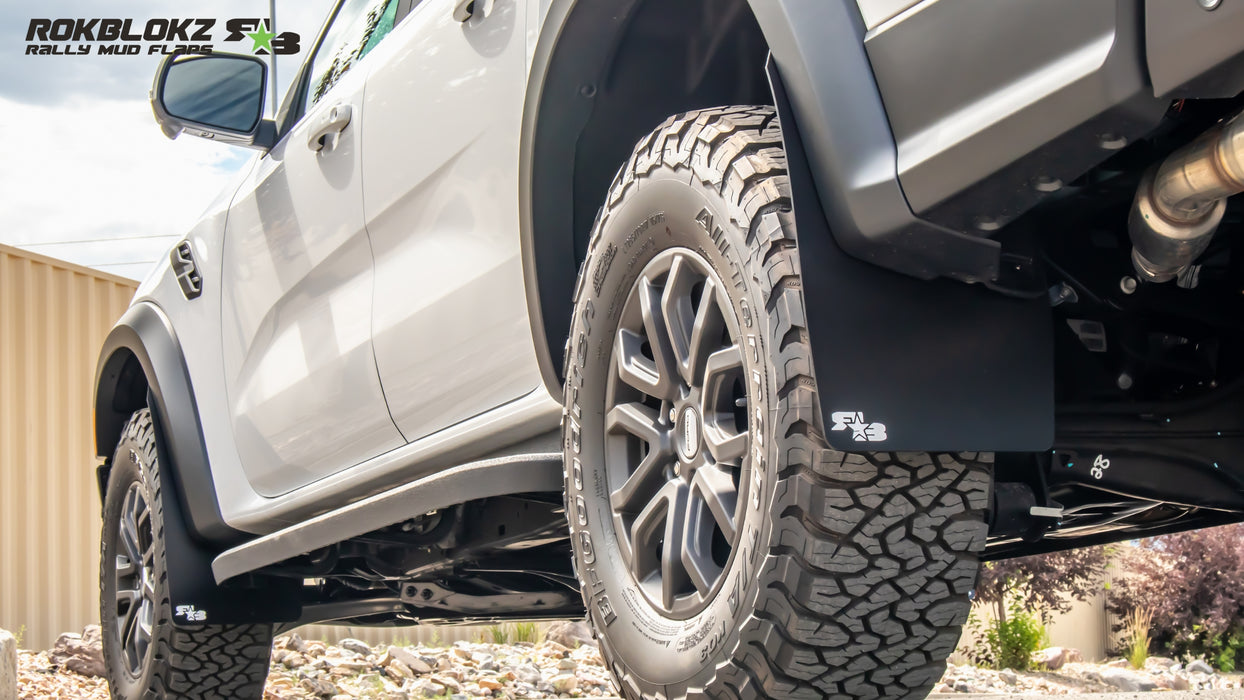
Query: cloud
[[86, 174], [100, 170]]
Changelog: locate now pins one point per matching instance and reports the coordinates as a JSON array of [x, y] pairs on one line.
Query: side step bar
[[501, 476]]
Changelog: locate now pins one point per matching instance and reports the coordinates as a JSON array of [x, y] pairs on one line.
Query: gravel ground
[[305, 669]]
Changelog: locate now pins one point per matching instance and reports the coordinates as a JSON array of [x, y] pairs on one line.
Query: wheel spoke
[[725, 447], [638, 420], [724, 442], [129, 538], [676, 308], [125, 625], [716, 487], [656, 376], [673, 573], [646, 534], [697, 557], [125, 566], [705, 332]]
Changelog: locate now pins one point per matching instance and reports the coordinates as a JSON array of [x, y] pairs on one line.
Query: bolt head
[[677, 469], [1128, 285], [1209, 5]]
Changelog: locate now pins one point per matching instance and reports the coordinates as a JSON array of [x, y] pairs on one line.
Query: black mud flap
[[194, 596], [905, 364]]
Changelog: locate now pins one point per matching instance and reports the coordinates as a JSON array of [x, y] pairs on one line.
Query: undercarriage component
[[1180, 203]]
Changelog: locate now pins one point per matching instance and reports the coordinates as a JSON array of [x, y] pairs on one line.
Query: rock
[[1159, 663], [319, 687], [8, 666], [80, 653], [1127, 680], [355, 645], [1199, 666], [398, 671], [567, 665], [425, 688], [554, 650], [294, 660], [1119, 663], [491, 684], [1008, 676], [412, 660], [1053, 658], [1180, 683], [570, 633], [451, 684], [564, 683]]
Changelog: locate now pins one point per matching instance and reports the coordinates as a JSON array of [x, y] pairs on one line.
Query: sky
[[85, 173]]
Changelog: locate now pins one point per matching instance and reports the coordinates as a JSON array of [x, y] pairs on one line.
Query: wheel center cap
[[690, 444]]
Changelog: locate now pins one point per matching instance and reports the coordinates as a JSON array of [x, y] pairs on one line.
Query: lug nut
[[1124, 381], [1128, 285]]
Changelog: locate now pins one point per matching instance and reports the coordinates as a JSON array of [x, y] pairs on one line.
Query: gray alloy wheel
[[676, 425], [723, 549], [135, 582]]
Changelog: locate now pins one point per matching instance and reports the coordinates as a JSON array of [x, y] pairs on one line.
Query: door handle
[[466, 9], [327, 125]]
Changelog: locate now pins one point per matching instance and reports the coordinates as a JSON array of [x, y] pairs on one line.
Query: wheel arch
[[603, 75], [849, 205], [141, 364]]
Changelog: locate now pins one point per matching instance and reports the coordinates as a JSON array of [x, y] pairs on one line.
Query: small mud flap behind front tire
[[195, 596]]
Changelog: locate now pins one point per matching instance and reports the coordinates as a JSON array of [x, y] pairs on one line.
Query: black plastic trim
[[144, 334], [818, 46], [527, 473], [188, 561], [943, 366]]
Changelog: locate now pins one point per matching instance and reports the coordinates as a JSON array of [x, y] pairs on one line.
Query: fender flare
[[194, 531], [856, 232], [144, 335]]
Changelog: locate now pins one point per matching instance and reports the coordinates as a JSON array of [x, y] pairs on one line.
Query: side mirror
[[216, 96]]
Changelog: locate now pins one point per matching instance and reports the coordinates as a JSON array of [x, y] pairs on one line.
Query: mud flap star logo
[[861, 430]]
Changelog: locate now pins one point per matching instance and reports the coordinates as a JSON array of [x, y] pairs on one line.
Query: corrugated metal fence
[[53, 319]]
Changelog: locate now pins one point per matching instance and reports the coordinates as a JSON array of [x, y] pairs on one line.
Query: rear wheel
[[146, 656], [723, 548]]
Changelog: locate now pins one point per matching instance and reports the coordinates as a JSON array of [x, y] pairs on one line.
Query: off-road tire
[[213, 661], [852, 573]]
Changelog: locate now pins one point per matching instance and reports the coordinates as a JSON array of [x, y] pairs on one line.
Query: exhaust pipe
[[1181, 202]]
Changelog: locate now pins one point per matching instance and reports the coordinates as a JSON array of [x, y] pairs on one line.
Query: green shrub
[[1008, 642], [1136, 633], [525, 632]]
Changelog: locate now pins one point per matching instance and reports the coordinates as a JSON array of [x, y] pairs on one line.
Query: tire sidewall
[[662, 212], [126, 471]]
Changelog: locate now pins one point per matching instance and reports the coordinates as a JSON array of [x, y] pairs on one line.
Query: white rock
[[1127, 680], [8, 666], [412, 660], [1008, 676], [355, 645], [564, 683]]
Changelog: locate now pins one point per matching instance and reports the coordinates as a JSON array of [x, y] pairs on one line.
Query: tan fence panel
[[54, 317]]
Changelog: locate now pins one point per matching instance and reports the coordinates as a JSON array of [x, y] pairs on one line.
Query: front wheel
[[145, 655], [723, 548]]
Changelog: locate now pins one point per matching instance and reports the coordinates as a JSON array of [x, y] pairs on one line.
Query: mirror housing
[[214, 96]]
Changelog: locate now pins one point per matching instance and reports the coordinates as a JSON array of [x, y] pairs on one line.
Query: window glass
[[358, 28]]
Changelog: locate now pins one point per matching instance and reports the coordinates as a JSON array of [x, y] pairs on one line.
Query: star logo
[[861, 430], [262, 38]]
